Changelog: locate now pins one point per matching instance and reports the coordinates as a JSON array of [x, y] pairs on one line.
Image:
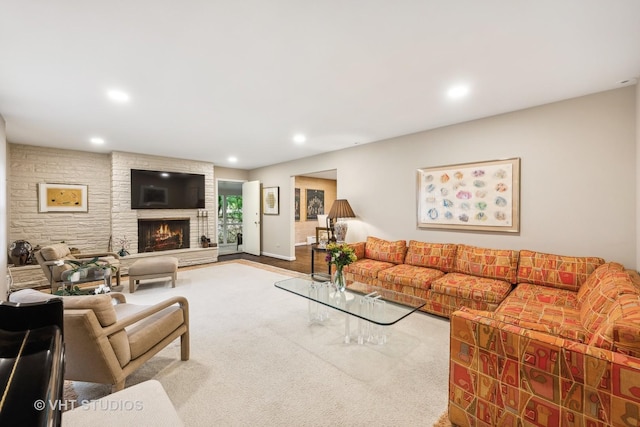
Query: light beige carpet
[[256, 360]]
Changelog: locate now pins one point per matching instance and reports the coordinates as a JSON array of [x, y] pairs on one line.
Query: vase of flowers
[[340, 255]]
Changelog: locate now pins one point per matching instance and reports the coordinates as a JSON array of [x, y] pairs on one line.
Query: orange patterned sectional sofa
[[558, 351], [446, 275], [536, 339]]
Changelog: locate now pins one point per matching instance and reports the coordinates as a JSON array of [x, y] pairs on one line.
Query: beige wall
[[3, 206], [304, 227], [578, 192], [637, 180]]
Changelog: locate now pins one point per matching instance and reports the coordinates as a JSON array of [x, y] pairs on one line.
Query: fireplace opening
[[163, 234]]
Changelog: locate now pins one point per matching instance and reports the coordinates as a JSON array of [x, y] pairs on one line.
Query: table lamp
[[340, 210]]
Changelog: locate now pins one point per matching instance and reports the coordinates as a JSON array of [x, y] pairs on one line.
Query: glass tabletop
[[378, 305]]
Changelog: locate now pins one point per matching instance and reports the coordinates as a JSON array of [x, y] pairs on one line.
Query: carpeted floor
[[256, 359]]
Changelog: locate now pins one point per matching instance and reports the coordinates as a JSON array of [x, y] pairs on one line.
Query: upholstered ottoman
[[152, 268]]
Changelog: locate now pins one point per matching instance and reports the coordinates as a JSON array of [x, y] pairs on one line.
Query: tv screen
[[166, 190]]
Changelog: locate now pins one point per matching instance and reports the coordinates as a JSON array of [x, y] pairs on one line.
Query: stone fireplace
[[163, 234]]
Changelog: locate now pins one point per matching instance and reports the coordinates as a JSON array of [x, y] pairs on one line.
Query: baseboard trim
[[286, 258]]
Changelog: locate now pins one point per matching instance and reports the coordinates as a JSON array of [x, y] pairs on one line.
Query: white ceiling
[[211, 79]]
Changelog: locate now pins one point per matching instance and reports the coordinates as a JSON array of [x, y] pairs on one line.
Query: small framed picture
[[271, 201], [62, 198]]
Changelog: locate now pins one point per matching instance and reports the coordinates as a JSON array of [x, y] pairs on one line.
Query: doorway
[[230, 218], [322, 186]]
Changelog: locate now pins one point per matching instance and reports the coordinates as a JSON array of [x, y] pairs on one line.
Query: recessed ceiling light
[[457, 92], [299, 138], [164, 175], [117, 95], [97, 141], [232, 159]]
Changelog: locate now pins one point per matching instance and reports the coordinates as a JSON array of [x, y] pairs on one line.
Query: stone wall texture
[[110, 217]]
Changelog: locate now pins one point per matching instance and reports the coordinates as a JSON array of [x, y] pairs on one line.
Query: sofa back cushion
[[596, 305], [592, 283], [385, 250], [500, 264], [556, 271], [620, 328], [440, 256]]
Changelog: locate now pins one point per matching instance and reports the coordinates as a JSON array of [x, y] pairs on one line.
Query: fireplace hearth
[[163, 234]]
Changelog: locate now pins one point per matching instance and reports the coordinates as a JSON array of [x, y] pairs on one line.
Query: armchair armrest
[[90, 255], [130, 320]]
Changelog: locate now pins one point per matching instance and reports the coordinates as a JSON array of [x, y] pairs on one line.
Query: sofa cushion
[[544, 294], [597, 304], [500, 264], [409, 275], [471, 287], [593, 281], [440, 256], [620, 327], [366, 267], [555, 319], [385, 250], [556, 271]]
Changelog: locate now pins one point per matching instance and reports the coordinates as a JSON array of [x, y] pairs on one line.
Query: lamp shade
[[341, 209]]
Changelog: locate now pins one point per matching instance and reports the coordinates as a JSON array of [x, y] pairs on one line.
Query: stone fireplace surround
[[124, 220], [112, 214]]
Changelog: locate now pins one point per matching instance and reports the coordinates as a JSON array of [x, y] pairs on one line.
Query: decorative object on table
[[271, 201], [315, 203], [296, 199], [81, 269], [340, 210], [20, 252], [340, 255], [124, 245], [481, 196], [62, 197]]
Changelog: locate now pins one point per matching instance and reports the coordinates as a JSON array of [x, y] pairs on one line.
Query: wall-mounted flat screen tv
[[166, 190]]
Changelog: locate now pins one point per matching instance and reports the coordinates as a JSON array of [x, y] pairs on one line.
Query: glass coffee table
[[374, 307]]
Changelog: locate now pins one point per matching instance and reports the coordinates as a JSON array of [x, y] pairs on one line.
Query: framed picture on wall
[[62, 197], [483, 196], [315, 203], [271, 201], [297, 204]]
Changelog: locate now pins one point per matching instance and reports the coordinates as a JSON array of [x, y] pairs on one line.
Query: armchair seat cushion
[[146, 333]]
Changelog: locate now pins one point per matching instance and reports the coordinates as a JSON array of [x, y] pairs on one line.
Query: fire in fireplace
[[163, 234]]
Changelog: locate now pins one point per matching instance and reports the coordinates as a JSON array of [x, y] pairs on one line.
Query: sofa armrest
[[504, 374], [358, 249]]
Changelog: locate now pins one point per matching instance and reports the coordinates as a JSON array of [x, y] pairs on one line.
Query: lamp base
[[340, 231]]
